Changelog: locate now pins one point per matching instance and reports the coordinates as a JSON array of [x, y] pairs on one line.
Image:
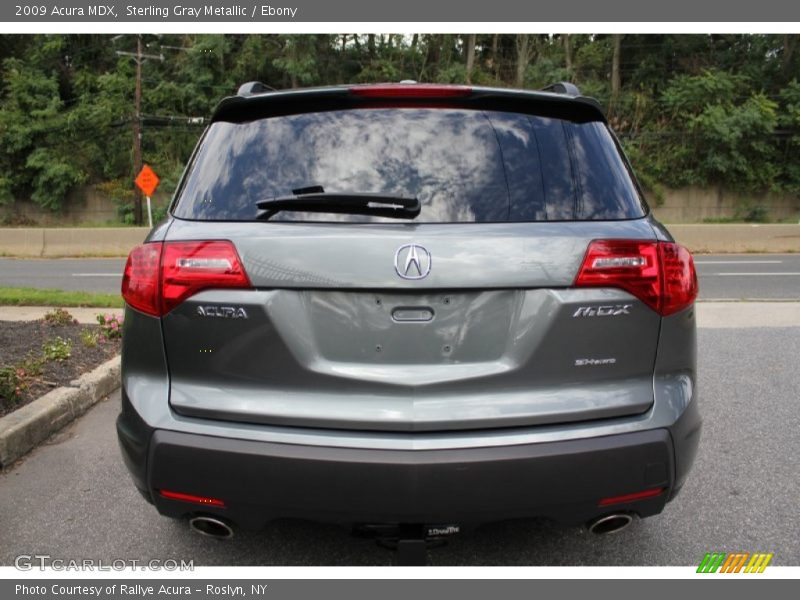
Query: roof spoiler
[[254, 87], [255, 99], [563, 87]]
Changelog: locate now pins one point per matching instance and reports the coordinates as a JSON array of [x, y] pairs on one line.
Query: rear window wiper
[[379, 205]]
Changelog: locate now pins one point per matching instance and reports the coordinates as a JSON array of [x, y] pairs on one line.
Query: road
[[749, 276], [72, 498], [722, 276], [72, 274]]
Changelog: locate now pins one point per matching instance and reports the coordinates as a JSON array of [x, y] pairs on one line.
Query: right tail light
[[660, 274]]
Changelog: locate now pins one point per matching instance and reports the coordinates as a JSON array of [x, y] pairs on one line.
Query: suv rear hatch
[[464, 317]]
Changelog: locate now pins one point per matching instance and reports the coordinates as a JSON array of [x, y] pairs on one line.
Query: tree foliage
[[690, 109]]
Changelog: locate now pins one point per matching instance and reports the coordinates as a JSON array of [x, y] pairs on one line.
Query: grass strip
[[16, 296]]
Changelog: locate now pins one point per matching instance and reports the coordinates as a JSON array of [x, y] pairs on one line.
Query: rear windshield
[[463, 165]]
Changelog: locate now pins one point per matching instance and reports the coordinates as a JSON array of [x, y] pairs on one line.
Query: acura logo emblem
[[412, 261]]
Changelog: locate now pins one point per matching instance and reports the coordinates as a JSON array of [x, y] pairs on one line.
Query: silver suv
[[409, 305]]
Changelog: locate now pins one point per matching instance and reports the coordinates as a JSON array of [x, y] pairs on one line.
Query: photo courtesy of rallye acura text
[[411, 309]]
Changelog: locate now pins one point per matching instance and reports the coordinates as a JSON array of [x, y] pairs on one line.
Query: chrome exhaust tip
[[211, 526], [610, 523]]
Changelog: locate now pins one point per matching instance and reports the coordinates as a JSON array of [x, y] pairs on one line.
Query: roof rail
[[563, 87], [253, 87]]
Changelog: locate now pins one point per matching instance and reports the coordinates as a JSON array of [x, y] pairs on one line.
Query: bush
[[32, 365], [12, 384], [57, 348], [58, 317], [89, 338], [753, 213], [110, 325]]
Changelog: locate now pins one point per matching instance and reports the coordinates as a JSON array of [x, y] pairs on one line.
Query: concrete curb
[[24, 429]]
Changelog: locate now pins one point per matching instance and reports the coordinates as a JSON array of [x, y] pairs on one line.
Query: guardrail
[[46, 242], [738, 237], [118, 241]]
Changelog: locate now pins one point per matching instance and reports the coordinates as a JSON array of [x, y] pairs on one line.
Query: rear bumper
[[261, 481]]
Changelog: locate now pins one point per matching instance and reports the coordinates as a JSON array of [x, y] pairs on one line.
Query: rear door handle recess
[[412, 314]]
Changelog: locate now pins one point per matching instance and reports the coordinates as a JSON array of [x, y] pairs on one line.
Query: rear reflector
[[410, 90], [191, 498], [631, 497], [660, 274], [159, 276]]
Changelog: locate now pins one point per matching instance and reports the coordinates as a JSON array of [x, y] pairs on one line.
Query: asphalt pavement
[[722, 276], [72, 498], [748, 276], [71, 274]]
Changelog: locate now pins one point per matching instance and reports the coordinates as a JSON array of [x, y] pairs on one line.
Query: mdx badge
[[222, 312], [412, 261], [603, 311]]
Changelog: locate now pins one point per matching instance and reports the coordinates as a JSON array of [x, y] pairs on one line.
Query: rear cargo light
[[660, 274], [191, 498], [410, 90], [159, 276], [631, 497]]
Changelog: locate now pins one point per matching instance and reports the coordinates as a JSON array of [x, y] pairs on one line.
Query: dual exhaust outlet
[[610, 523], [213, 527]]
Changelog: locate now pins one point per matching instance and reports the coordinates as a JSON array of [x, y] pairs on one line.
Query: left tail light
[[159, 276]]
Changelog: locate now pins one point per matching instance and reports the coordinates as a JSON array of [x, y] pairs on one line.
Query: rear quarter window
[[463, 165]]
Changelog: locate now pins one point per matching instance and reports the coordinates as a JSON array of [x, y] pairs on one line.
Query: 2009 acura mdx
[[409, 304]]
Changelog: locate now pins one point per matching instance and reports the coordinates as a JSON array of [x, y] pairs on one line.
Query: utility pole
[[137, 132], [139, 57]]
